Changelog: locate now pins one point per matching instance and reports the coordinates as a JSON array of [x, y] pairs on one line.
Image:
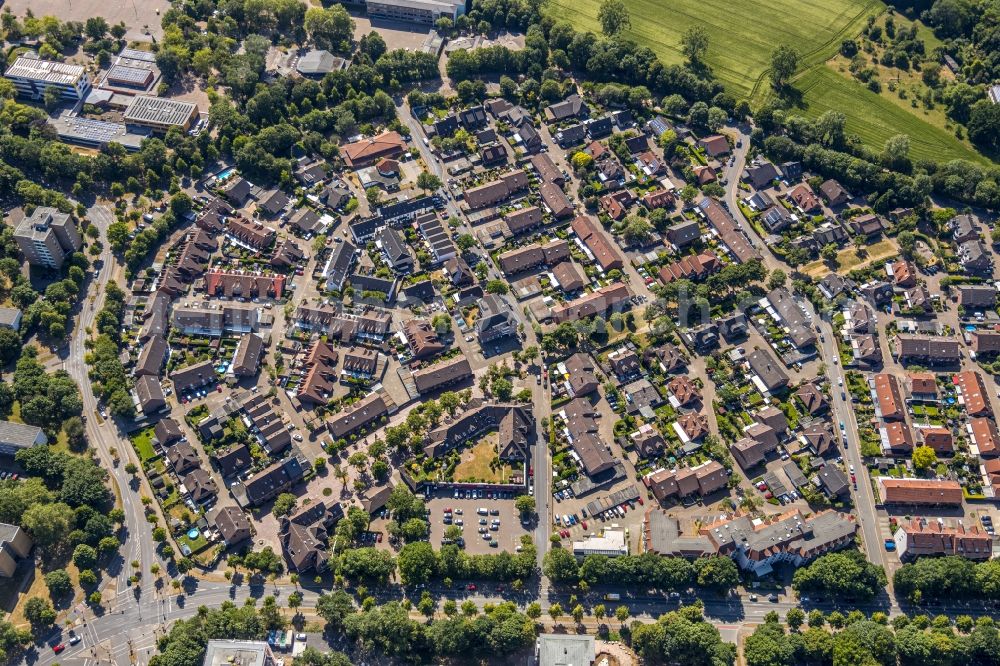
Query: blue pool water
[[225, 173], [970, 327], [193, 533]]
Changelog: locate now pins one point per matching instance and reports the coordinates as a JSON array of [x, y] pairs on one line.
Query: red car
[[219, 388], [584, 524], [378, 537], [448, 510], [471, 587], [640, 501], [59, 648]]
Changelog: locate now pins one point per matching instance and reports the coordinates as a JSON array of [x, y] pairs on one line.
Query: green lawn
[[142, 441], [741, 34], [875, 118]]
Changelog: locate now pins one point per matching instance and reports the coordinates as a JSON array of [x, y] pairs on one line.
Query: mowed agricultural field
[[875, 118], [742, 33]]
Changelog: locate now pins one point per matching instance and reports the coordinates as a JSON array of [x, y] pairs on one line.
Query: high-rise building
[[47, 237]]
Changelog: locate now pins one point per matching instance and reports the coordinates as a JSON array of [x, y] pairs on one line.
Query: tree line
[[853, 639]]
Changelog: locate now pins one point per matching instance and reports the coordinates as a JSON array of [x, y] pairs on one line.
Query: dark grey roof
[[20, 435]]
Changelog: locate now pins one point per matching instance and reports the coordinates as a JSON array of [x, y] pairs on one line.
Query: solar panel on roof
[[133, 54], [129, 75]]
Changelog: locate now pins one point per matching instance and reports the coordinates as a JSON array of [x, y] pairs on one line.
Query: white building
[[32, 76], [415, 11], [611, 543]]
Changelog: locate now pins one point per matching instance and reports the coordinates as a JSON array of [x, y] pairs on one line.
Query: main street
[[103, 436]]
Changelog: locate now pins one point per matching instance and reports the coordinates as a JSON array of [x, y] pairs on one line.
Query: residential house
[[767, 371], [149, 394], [625, 364], [569, 276], [973, 394], [440, 375], [304, 536], [834, 193], [920, 537], [249, 351], [581, 379], [597, 302], [927, 350], [890, 406], [919, 492], [603, 251], [193, 376], [422, 339], [804, 199], [233, 526], [556, 201], [582, 429], [365, 152], [760, 176], [715, 145], [361, 414], [571, 107]]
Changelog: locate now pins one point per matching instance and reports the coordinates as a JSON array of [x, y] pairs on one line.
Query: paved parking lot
[[508, 536], [575, 506]]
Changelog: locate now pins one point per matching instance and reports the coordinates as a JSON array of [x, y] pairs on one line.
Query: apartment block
[[47, 237]]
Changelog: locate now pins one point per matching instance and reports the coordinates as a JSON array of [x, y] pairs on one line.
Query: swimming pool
[[970, 327], [193, 533], [225, 173]]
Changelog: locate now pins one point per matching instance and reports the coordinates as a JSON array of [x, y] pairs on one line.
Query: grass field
[[875, 118], [848, 259], [143, 444], [475, 465], [740, 42], [742, 36]]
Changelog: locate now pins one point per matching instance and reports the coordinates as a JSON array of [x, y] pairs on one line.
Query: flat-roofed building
[[32, 76], [245, 653], [415, 11], [610, 544], [160, 114], [47, 237]]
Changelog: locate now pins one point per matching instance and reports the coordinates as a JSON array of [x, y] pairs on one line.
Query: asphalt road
[[540, 457], [864, 497], [103, 435]]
